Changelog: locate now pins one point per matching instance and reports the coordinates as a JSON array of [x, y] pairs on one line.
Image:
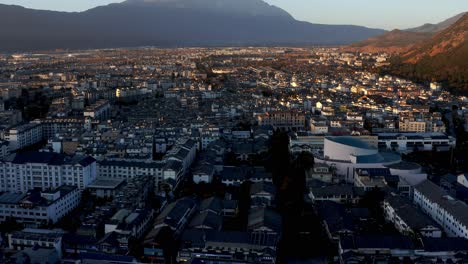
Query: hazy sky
[[387, 14]]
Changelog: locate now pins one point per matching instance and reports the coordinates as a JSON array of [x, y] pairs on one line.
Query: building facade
[[409, 142], [283, 120], [39, 207], [24, 136], [25, 171], [448, 212]]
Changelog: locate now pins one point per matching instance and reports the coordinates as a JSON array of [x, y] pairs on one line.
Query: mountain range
[[400, 41], [442, 57], [167, 23], [432, 28]]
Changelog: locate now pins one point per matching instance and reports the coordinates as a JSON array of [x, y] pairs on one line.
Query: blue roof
[[11, 198], [374, 158], [351, 141]]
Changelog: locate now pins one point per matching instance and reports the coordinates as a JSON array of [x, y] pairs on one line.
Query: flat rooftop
[[351, 141], [11, 198], [404, 166], [106, 184]]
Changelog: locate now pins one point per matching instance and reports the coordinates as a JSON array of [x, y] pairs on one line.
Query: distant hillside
[[167, 23], [442, 58], [393, 41], [433, 28], [401, 41]]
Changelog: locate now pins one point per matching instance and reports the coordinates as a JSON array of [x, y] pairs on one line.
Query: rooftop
[[434, 193], [106, 184], [351, 141], [404, 166]]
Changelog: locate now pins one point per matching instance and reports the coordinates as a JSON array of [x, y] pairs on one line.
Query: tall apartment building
[[283, 119], [24, 135], [26, 171], [39, 207], [447, 211]]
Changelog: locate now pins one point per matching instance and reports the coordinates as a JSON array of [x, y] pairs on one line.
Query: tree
[[10, 224], [244, 203], [280, 157]]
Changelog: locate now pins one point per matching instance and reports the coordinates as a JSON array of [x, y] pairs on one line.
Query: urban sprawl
[[228, 155]]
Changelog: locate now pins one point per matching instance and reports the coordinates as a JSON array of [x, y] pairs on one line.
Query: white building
[[30, 237], [185, 152], [410, 172], [125, 169], [448, 212], [407, 218], [173, 171], [320, 172], [345, 154], [409, 142], [100, 110], [462, 179], [25, 171], [203, 173], [319, 126], [36, 207], [24, 135], [307, 142]]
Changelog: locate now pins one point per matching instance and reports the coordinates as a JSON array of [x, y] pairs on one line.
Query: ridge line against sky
[[383, 14]]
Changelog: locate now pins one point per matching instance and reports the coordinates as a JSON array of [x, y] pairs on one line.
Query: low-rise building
[[320, 172], [29, 237], [203, 173], [283, 119], [35, 207], [105, 188], [407, 218], [121, 169], [225, 247], [409, 142], [99, 110], [344, 193], [24, 135]]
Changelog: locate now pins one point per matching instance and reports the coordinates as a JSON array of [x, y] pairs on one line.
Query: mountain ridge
[[130, 24], [442, 58], [433, 28], [401, 41]]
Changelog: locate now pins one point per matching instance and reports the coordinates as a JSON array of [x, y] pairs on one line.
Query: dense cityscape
[[228, 155], [233, 132]]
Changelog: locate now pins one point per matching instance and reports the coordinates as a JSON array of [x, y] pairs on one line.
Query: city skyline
[[375, 14]]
